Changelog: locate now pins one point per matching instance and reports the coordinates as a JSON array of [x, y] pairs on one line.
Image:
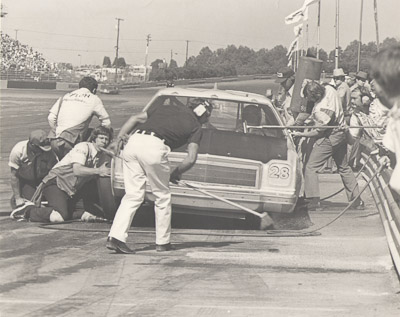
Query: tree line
[[236, 61]]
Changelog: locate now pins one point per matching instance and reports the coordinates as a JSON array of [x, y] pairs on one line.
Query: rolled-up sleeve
[[101, 113]]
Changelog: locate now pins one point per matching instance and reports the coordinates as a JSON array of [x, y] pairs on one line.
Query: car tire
[[107, 201]]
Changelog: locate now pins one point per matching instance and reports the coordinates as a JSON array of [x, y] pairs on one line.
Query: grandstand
[[21, 62]]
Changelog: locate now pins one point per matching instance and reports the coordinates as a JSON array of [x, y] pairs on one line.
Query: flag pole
[[359, 37], [318, 27], [376, 23], [337, 36]]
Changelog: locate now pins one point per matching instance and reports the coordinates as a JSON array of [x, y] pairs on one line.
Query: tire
[[107, 201]]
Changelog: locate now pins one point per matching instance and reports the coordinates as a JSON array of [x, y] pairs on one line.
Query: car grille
[[215, 174]]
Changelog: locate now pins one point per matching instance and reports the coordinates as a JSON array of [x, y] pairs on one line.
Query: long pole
[[337, 36], [187, 51], [376, 23], [148, 39], [318, 27], [359, 37], [116, 50]]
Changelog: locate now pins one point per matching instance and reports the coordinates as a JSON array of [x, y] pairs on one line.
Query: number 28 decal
[[278, 172]]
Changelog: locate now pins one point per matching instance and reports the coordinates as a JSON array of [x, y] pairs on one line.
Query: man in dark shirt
[[145, 160]]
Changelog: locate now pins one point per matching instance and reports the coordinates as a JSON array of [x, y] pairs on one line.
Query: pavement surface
[[218, 269]]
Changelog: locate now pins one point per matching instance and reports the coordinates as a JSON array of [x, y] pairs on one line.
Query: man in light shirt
[[70, 116]]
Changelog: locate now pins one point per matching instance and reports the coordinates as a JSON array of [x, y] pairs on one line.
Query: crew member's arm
[[52, 118], [82, 171], [16, 187], [186, 164], [127, 128], [101, 113]]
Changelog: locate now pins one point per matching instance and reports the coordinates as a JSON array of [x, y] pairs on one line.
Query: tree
[[106, 61]]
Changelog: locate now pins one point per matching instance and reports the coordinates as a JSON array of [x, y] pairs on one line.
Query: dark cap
[[362, 75], [284, 74], [39, 138]]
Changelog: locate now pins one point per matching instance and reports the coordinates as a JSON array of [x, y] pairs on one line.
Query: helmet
[[200, 107]]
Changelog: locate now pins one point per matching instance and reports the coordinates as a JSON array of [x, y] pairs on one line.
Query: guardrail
[[387, 201]]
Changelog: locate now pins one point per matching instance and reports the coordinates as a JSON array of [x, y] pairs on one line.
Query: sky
[[84, 31]]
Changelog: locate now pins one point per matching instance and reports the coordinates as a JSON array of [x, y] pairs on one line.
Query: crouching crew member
[[327, 111], [30, 161], [145, 160], [70, 180], [70, 116]]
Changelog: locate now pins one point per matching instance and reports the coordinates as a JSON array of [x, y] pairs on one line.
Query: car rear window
[[229, 115]]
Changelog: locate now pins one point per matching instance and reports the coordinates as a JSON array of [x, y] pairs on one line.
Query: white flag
[[299, 14], [298, 29]]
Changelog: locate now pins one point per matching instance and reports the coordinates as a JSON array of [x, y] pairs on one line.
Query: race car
[[241, 157], [109, 89]]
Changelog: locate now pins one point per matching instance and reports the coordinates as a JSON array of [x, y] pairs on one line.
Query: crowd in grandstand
[[19, 57]]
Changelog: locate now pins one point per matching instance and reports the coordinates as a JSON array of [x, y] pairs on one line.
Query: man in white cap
[[285, 78], [343, 91], [29, 161]]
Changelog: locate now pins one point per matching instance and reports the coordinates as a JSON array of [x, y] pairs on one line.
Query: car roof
[[215, 94]]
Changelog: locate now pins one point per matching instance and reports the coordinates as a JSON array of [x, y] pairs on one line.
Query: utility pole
[[337, 36], [187, 51], [359, 37], [116, 50], [148, 39], [16, 34]]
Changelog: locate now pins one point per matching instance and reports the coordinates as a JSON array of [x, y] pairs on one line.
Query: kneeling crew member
[[30, 161], [145, 159], [327, 111], [70, 180]]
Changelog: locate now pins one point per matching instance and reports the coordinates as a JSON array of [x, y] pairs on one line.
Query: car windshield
[[231, 115]]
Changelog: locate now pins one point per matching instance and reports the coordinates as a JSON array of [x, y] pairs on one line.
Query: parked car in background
[[254, 167]]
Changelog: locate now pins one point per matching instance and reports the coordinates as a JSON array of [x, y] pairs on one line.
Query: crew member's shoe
[[19, 212], [88, 217], [118, 246], [358, 205], [314, 204], [165, 247]]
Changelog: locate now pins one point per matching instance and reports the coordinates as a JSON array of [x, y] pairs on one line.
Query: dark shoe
[[165, 247], [358, 205], [19, 212], [314, 204], [118, 246], [315, 207]]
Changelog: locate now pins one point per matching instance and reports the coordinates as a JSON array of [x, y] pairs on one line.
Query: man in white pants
[[145, 160]]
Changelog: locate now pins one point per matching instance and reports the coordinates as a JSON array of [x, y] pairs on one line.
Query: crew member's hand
[[296, 134], [113, 146], [19, 201], [104, 171], [175, 176]]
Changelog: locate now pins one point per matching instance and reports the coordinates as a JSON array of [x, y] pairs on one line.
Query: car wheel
[[107, 201]]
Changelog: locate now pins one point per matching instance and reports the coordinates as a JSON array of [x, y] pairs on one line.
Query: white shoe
[[19, 212]]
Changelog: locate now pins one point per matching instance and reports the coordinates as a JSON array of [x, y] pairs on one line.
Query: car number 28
[[278, 172]]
